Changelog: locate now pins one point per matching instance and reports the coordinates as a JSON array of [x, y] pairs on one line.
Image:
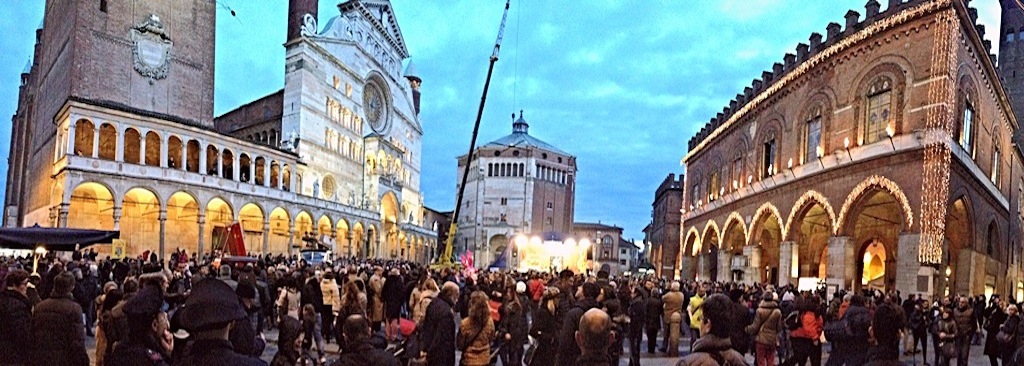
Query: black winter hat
[[211, 305]]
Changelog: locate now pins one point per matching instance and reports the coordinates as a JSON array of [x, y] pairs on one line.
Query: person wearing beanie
[[149, 338], [15, 320], [208, 316], [58, 333]]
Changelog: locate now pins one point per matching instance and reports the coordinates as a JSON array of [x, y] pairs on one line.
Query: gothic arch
[[810, 197], [767, 208], [735, 219], [874, 182], [819, 104], [691, 247], [715, 239]]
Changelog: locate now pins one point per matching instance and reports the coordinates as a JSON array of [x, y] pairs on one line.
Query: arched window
[[108, 142], [993, 238], [174, 153], [812, 135], [244, 168], [965, 127], [132, 146], [994, 170], [84, 132], [227, 165], [212, 159], [153, 148], [879, 116], [192, 156], [713, 187]]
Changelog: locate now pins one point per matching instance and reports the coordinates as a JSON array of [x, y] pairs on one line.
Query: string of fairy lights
[[938, 124]]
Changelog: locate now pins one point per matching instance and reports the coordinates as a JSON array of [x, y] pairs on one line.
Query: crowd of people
[[203, 311]]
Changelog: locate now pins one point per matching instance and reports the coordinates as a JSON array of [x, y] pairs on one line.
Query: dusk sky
[[622, 85]]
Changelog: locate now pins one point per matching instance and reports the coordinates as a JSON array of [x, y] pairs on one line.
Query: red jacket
[[536, 289], [810, 326]]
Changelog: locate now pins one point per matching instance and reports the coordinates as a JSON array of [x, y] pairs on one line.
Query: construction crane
[[445, 260]]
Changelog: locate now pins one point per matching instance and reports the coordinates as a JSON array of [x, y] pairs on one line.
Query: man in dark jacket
[[885, 330], [593, 338], [638, 316], [207, 316], [439, 327], [654, 311], [358, 350], [58, 335], [15, 320], [741, 319], [149, 340], [568, 350], [853, 351]]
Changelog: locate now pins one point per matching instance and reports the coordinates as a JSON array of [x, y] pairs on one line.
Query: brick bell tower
[[1011, 59], [297, 9]]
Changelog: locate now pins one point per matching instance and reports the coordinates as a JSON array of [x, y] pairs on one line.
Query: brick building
[[664, 230], [878, 155], [115, 130]]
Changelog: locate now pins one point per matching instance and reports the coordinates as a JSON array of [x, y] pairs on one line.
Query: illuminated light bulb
[[735, 184], [889, 130], [789, 164], [820, 151], [846, 142], [750, 178]]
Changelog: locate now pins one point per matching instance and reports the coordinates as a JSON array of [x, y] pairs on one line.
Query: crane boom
[[445, 260]]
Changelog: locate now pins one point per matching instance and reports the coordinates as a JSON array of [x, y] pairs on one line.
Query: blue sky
[[623, 85]]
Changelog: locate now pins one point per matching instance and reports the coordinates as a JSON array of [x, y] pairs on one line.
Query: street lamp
[[846, 145], [820, 151]]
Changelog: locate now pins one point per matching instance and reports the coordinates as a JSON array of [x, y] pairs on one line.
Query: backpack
[[793, 320]]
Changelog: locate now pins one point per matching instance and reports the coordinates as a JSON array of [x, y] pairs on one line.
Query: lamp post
[[819, 151], [846, 145]]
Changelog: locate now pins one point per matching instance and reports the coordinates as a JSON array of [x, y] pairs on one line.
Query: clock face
[[373, 103]]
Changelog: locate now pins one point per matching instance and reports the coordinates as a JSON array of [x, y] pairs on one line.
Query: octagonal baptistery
[[878, 156]]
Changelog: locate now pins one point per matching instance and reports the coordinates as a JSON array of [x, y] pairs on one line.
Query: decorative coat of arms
[[151, 48]]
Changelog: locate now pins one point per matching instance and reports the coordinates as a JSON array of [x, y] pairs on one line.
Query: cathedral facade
[[115, 130]]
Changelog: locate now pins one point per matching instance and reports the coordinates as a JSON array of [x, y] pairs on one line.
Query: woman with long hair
[[476, 332], [545, 328], [290, 300], [512, 328], [353, 302], [427, 291]]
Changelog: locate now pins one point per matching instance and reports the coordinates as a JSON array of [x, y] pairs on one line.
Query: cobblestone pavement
[[977, 356]]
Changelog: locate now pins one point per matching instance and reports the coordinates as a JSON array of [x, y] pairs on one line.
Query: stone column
[[349, 243], [787, 255], [71, 139], [202, 159], [252, 170], [96, 142], [703, 267], [220, 164], [164, 150], [266, 237], [908, 264], [841, 269], [236, 174], [202, 223], [142, 149], [687, 268], [184, 156], [755, 272], [291, 235], [117, 218], [119, 147], [62, 215], [163, 232], [724, 266]]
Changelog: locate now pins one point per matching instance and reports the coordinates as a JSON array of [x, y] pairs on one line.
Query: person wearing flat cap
[[149, 340], [208, 315]]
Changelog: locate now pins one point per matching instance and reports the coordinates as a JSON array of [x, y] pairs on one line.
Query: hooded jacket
[[767, 323]]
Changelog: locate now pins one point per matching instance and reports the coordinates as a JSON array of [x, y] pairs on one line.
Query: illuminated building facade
[[115, 130], [879, 155]]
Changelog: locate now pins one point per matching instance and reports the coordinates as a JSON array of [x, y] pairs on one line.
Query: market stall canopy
[[52, 238]]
